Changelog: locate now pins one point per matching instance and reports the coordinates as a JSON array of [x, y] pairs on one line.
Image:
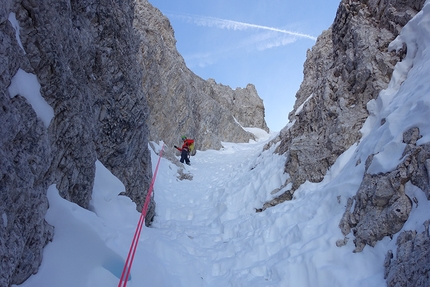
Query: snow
[[15, 24], [297, 112], [4, 218], [388, 158], [206, 231], [300, 108], [258, 133], [27, 85]]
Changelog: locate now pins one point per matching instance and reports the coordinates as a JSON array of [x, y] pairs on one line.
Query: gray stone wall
[[411, 265], [348, 66], [84, 54]]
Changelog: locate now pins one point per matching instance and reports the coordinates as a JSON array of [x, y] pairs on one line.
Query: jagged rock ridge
[[348, 66], [180, 102]]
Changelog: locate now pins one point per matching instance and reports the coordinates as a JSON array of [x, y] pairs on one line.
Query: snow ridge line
[[130, 257]]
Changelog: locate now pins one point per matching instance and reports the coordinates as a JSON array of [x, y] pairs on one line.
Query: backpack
[[191, 146]]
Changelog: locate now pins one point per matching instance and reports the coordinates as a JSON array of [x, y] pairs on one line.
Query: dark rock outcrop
[[84, 54], [25, 157]]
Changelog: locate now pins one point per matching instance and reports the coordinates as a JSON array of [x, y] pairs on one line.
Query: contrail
[[235, 25]]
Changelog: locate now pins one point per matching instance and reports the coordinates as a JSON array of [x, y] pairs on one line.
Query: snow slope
[[207, 233]]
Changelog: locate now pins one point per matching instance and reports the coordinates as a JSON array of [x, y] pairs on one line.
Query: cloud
[[266, 38], [259, 41], [201, 59], [269, 40], [235, 25]]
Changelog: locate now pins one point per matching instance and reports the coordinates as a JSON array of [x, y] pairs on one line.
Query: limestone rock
[[181, 103], [84, 54], [411, 267], [99, 63], [348, 66], [381, 205], [244, 103], [25, 158]]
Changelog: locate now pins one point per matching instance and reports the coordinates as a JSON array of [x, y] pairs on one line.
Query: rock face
[[99, 63], [84, 54], [182, 103], [381, 206], [412, 260], [25, 159], [348, 66]]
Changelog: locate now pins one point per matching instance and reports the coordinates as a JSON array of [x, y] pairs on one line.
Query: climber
[[187, 147]]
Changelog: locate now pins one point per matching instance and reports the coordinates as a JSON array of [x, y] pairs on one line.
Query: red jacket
[[186, 145]]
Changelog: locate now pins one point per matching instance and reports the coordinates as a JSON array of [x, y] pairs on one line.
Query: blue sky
[[261, 42]]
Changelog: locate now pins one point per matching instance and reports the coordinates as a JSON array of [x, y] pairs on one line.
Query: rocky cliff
[[182, 103], [104, 71], [349, 65], [84, 55], [110, 72]]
